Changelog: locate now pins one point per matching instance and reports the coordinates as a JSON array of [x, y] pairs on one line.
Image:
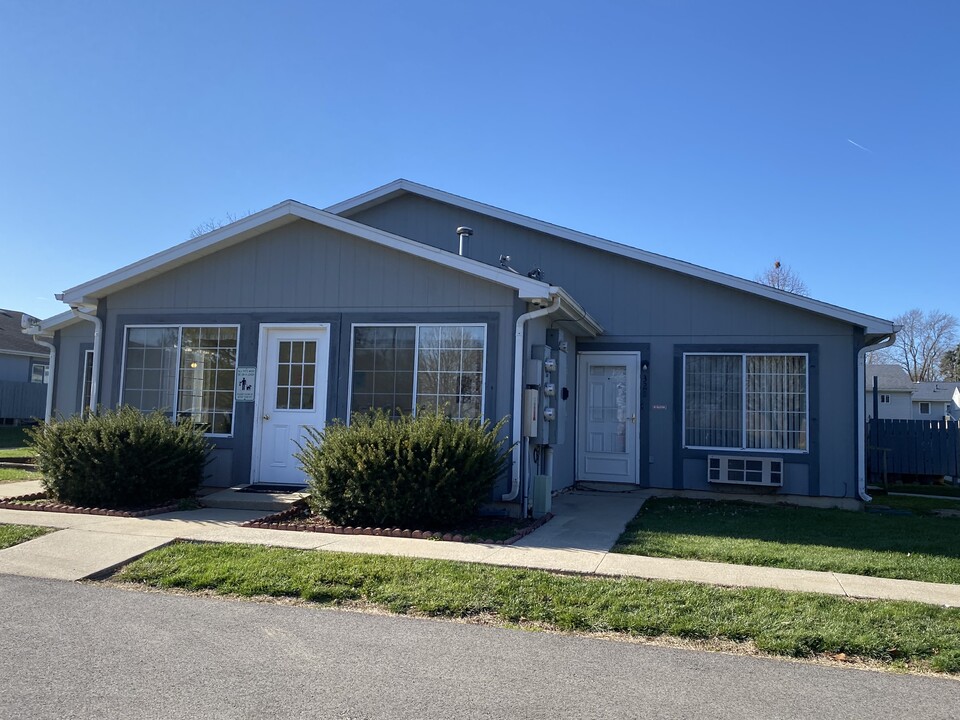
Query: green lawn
[[9, 475], [14, 534], [916, 503], [912, 547], [915, 489], [901, 634], [17, 452]]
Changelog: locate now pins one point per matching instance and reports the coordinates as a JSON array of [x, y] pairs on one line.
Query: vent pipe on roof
[[464, 233]]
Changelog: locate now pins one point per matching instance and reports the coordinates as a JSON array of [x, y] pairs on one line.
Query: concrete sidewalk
[[577, 540]]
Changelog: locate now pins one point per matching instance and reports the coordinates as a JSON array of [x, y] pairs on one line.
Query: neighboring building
[[24, 369], [653, 372], [899, 398]]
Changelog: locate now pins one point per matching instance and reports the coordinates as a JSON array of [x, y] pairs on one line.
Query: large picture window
[[400, 368], [745, 401], [183, 371]]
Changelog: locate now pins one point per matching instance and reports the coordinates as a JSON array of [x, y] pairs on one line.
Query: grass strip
[[8, 475], [859, 543], [11, 535], [916, 489], [917, 504], [901, 634]]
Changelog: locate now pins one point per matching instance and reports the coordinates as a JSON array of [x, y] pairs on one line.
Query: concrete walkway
[[577, 540]]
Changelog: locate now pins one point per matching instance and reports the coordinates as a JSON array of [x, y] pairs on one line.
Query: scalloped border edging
[[16, 503], [278, 522]]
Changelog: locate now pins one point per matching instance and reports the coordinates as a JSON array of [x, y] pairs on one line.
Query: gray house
[[899, 398], [618, 367], [24, 370]]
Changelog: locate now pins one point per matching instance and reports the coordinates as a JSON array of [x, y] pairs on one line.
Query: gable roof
[[12, 339], [934, 391], [290, 211], [871, 325], [889, 377]]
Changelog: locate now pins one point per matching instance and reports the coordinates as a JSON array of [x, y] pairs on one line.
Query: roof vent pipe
[[464, 233]]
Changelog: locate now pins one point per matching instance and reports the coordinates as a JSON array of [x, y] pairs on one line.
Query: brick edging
[[16, 503], [279, 520]]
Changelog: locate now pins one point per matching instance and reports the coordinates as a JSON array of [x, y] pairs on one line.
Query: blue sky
[[722, 133]]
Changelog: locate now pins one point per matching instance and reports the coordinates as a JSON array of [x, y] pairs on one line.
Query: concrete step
[[233, 499]]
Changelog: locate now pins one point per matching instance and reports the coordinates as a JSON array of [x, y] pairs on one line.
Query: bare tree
[[921, 343], [782, 277], [215, 224]]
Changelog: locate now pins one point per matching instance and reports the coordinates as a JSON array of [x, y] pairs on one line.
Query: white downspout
[[517, 419], [861, 420], [48, 412], [89, 313]]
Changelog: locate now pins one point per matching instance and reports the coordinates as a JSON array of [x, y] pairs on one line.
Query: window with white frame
[[40, 373], [400, 368], [924, 408], [183, 371], [87, 381], [745, 401], [884, 398]]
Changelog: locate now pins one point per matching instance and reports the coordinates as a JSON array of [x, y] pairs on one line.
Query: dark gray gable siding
[[303, 272], [640, 304]]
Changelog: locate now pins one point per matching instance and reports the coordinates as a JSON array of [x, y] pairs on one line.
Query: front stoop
[[233, 499]]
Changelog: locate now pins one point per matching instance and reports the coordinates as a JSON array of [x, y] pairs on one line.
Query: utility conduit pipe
[[48, 412], [516, 421]]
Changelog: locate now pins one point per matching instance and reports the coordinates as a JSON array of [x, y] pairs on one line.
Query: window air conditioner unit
[[766, 472]]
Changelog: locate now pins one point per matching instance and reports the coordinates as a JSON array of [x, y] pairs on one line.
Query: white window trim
[[920, 405], [416, 359], [176, 384], [88, 366], [743, 408]]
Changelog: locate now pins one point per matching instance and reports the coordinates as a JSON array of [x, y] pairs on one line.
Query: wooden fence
[[22, 400], [913, 447]]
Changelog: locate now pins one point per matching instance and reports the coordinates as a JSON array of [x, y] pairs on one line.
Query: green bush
[[422, 472], [120, 458]]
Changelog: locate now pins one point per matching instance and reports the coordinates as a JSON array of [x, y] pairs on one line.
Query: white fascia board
[[40, 353], [871, 325], [50, 325], [281, 214]]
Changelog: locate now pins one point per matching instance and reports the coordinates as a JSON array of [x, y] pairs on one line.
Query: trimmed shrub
[[120, 458], [427, 471]]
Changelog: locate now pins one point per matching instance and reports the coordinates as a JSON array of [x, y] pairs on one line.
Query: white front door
[[292, 380], [607, 427]]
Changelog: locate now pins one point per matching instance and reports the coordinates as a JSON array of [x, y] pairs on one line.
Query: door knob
[[266, 417]]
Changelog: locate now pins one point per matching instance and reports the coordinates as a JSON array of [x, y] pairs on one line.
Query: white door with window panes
[[292, 380], [608, 429]]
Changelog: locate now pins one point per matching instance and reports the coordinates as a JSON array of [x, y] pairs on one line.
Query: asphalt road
[[85, 651]]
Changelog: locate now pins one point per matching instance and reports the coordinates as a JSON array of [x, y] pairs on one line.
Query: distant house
[[899, 398], [618, 367], [24, 372]]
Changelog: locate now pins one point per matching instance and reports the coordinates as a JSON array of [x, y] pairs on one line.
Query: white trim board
[[871, 325], [281, 214]]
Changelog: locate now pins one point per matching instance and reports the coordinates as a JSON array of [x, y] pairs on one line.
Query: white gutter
[[861, 410], [48, 411], [88, 312], [517, 418]]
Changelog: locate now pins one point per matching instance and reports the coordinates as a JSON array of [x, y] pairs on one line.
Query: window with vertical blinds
[[745, 401]]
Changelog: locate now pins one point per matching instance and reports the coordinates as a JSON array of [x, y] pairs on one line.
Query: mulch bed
[[30, 502], [300, 518]]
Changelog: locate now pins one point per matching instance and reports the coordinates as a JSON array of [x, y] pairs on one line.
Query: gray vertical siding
[[71, 341], [663, 310]]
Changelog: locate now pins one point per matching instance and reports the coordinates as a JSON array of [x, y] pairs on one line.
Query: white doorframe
[[634, 428], [262, 369]]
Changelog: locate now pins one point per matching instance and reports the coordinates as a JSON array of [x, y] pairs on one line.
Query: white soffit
[[871, 325]]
